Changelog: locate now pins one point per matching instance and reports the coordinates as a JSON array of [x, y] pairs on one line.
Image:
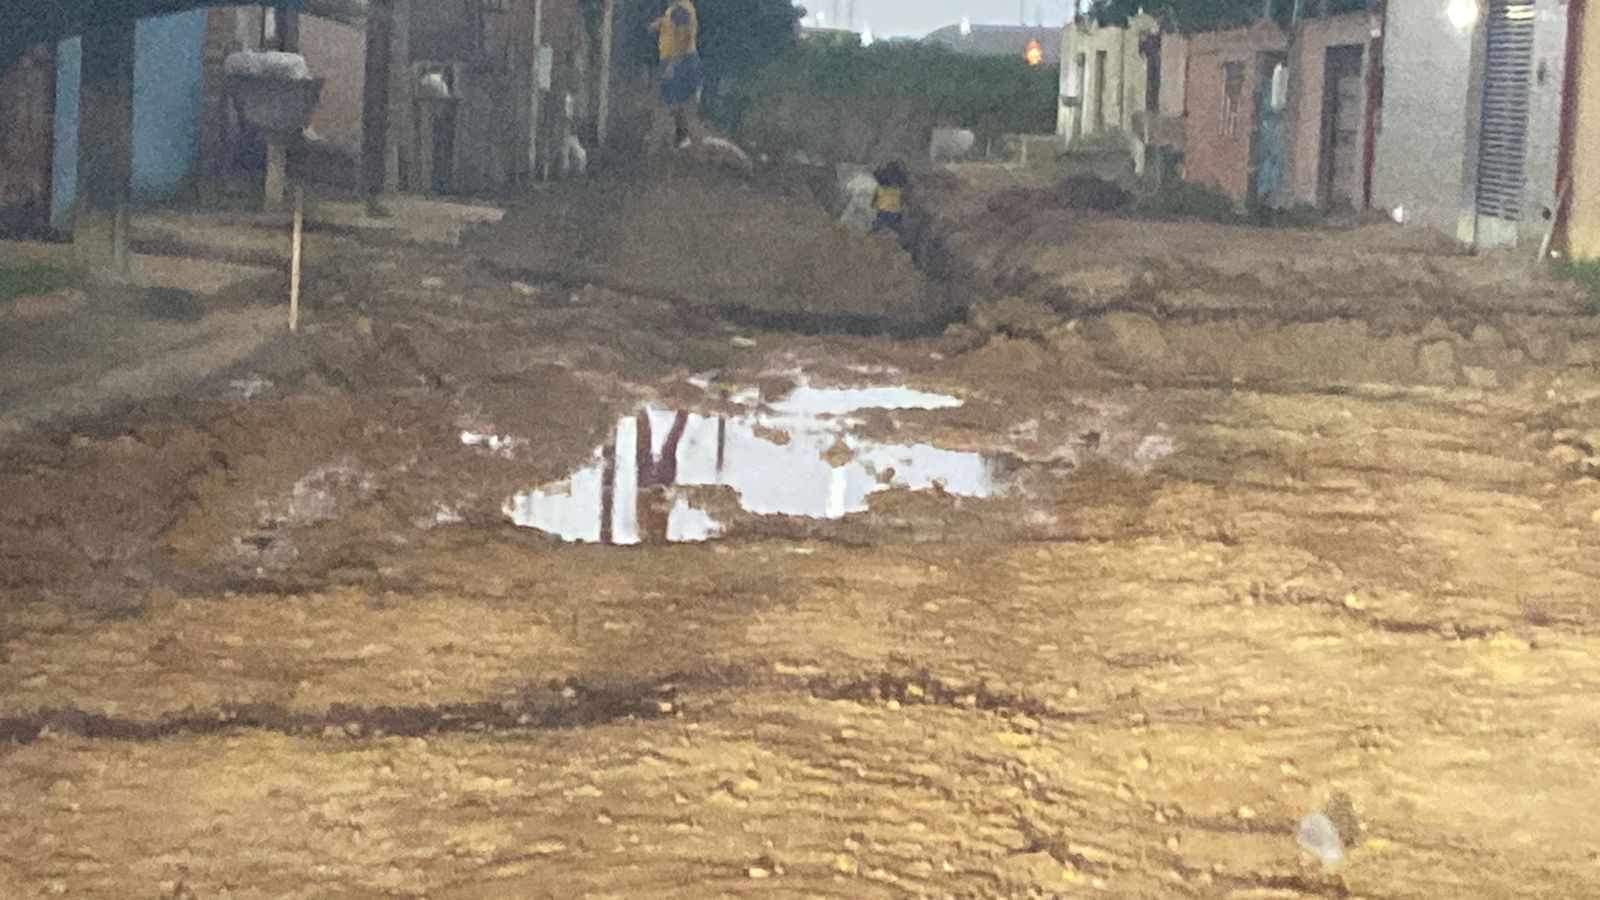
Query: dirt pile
[[763, 249], [1192, 301]]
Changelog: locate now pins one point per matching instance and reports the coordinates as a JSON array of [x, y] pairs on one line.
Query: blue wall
[[166, 111], [166, 103]]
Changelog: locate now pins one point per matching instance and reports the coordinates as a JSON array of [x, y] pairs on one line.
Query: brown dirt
[[243, 653]]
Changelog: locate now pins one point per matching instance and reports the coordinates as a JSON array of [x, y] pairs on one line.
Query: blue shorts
[[687, 76]]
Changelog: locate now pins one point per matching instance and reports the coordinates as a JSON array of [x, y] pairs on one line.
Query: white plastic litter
[[1318, 836], [268, 64], [432, 86], [858, 188]]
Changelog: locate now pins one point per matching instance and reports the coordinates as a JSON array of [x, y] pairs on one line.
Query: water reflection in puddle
[[796, 457]]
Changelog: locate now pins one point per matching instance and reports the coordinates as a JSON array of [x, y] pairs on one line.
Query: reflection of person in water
[[657, 474]]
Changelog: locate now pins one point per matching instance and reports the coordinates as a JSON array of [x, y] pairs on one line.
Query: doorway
[[1340, 164], [1268, 136]]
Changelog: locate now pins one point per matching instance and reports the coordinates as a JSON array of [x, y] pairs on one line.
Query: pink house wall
[[1214, 154], [1316, 36], [337, 53]]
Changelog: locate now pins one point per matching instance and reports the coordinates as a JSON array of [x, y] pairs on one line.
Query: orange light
[[1034, 54]]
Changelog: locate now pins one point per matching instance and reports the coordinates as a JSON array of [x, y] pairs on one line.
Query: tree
[[1209, 15], [736, 36]]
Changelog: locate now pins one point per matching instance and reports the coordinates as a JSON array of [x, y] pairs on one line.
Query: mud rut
[[1375, 601]]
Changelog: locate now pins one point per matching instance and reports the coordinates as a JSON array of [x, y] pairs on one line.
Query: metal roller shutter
[[1507, 85]]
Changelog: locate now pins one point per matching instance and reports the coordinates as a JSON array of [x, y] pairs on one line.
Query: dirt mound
[[761, 248]]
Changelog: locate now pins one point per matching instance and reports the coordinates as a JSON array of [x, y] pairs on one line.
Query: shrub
[[1586, 273], [1187, 200], [32, 278], [990, 95]]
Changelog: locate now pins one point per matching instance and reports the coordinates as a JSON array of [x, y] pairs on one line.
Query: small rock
[[1341, 812], [1488, 337], [1131, 342], [759, 872], [1481, 378], [1245, 813], [523, 288], [433, 282], [1436, 363], [743, 342], [1566, 455]]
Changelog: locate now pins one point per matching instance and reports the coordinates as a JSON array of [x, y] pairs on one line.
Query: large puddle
[[673, 476]]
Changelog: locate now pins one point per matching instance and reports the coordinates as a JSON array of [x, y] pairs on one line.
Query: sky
[[918, 17]]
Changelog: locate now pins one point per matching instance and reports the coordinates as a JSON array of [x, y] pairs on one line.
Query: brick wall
[[1217, 150]]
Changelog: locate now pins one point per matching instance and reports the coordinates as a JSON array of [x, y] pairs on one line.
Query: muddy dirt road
[[1096, 594]]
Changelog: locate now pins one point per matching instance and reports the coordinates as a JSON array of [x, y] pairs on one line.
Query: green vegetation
[[32, 278], [1187, 200], [1111, 140], [736, 36], [1209, 15], [1586, 273], [990, 95]]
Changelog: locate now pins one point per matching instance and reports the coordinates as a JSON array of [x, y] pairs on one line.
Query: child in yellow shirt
[[889, 199]]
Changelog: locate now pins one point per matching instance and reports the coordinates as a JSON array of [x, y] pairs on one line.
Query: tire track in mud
[[559, 706]]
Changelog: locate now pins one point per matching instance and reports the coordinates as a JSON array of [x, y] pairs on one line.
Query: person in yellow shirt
[[888, 201], [677, 41]]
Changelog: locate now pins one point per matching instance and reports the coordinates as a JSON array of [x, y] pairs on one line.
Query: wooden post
[[535, 91], [397, 176], [277, 179], [608, 21], [105, 155], [375, 101], [295, 242]]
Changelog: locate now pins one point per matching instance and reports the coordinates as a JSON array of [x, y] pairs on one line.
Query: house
[[1282, 116], [487, 132], [1111, 83], [1471, 123], [999, 40], [1579, 173], [180, 121]]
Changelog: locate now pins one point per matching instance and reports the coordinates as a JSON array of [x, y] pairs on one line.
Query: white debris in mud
[[500, 444], [813, 401], [267, 64], [1318, 836], [1153, 449], [315, 497], [247, 389]]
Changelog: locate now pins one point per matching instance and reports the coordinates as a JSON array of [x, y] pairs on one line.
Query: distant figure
[[677, 41], [889, 200]]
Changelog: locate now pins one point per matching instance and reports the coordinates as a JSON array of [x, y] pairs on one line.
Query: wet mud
[[1148, 588]]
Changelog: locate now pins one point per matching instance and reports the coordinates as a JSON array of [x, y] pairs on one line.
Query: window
[[1232, 97]]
